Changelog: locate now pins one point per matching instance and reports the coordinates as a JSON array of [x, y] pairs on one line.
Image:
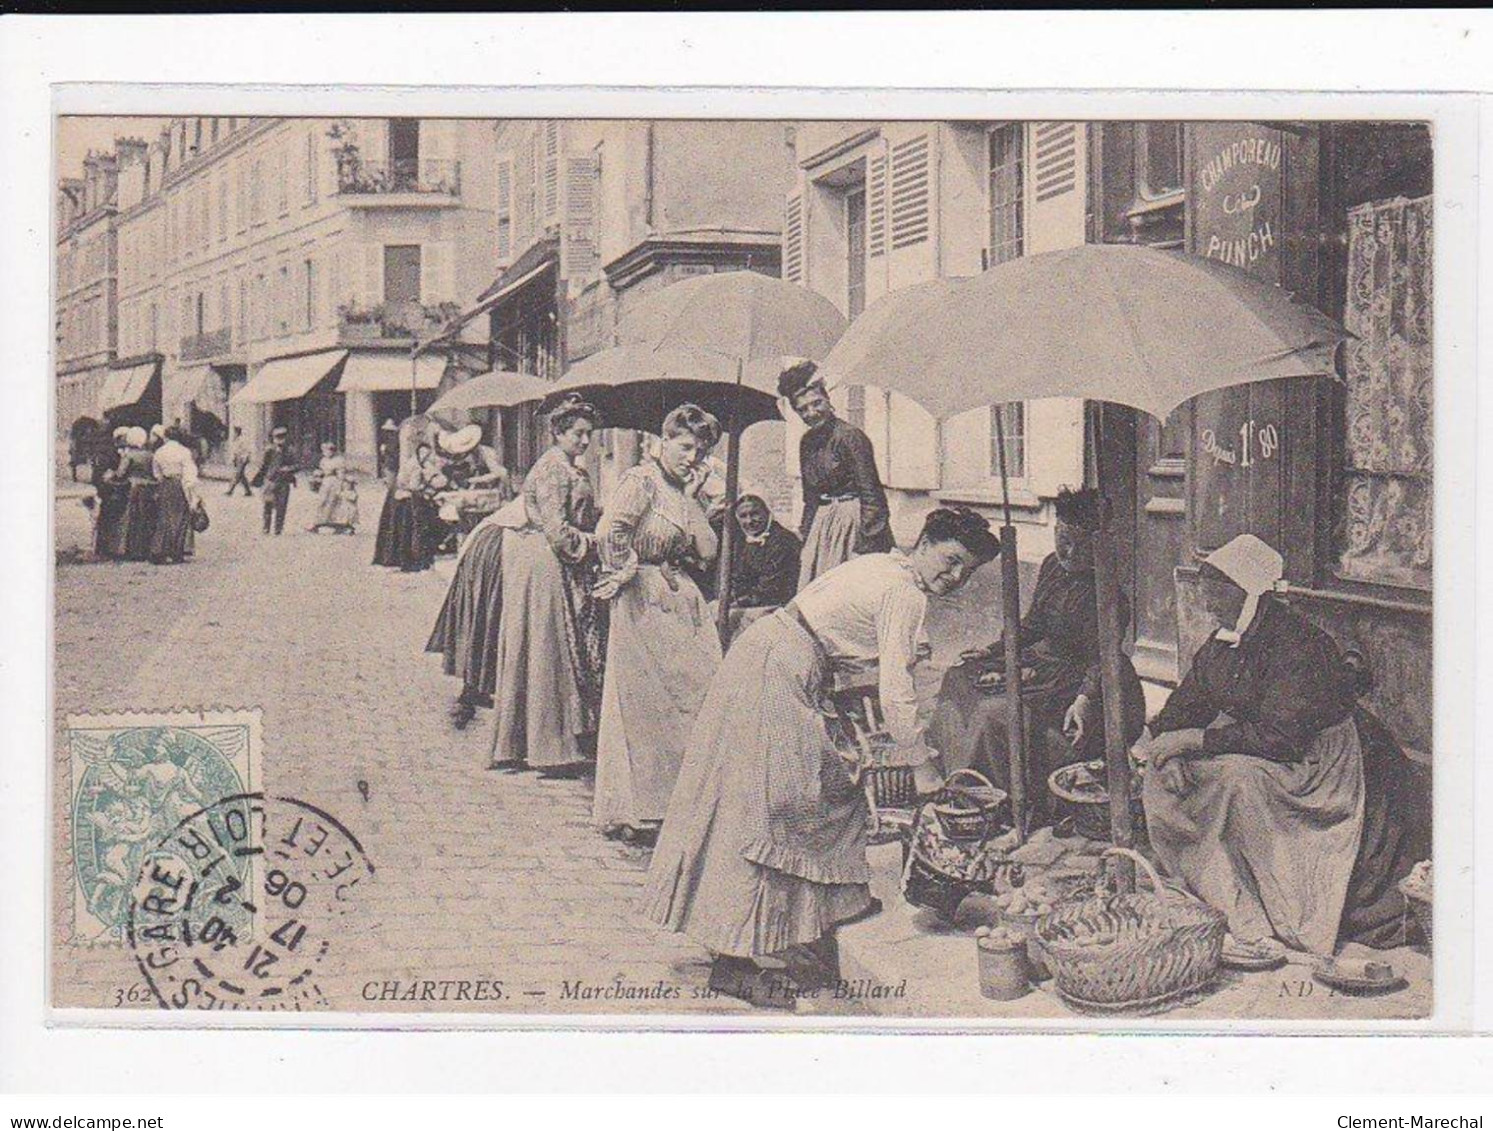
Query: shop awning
[[287, 378], [125, 386], [389, 373]]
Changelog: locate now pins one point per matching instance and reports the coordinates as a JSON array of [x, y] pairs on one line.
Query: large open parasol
[[498, 389], [720, 341], [1136, 326]]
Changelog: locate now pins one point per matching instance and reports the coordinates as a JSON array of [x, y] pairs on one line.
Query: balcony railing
[[202, 346], [431, 175]]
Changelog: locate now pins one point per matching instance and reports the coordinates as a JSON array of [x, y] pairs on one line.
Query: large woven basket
[[1143, 951]]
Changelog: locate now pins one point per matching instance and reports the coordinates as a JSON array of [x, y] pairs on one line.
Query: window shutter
[[504, 180], [579, 255], [1054, 159], [910, 191], [876, 206], [1057, 195], [547, 173], [793, 239]]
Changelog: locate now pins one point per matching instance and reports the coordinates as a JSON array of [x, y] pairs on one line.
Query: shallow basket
[[1090, 812], [1139, 951]]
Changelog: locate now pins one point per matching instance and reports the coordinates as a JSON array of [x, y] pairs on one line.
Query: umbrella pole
[[1106, 596], [1011, 632], [724, 562]]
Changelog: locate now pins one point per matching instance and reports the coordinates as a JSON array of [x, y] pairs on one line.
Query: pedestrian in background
[[175, 471], [276, 474], [240, 456]]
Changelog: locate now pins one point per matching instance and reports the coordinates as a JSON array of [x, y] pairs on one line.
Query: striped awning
[[288, 378], [125, 386], [390, 372]]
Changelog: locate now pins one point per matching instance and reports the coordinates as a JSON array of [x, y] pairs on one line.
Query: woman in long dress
[[131, 537], [763, 851], [337, 502], [175, 471], [113, 493], [1269, 792], [663, 647], [550, 641], [412, 536]]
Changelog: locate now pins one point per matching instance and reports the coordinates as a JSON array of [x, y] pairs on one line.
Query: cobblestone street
[[482, 876]]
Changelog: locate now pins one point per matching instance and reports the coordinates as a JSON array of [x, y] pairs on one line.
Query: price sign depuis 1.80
[[1252, 441]]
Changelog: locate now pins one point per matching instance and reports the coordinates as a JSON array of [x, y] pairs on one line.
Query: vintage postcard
[[967, 571]]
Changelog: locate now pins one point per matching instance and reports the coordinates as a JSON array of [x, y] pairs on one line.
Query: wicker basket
[[1135, 952], [1090, 811], [1420, 910], [968, 811]]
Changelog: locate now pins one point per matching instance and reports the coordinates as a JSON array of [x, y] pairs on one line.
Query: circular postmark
[[239, 905]]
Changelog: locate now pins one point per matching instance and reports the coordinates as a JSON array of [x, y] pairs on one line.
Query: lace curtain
[[1386, 529]]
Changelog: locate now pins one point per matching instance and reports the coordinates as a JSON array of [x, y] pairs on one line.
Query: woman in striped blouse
[[662, 649]]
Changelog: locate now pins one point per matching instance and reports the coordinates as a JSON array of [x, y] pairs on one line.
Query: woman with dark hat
[[1060, 669], [845, 508], [663, 646], [763, 851], [548, 645]]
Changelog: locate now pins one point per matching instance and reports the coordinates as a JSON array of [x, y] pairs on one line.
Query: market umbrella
[[1107, 322], [719, 340], [498, 389], [636, 386]]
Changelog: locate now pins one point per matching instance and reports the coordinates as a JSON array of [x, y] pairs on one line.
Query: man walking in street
[[276, 475], [239, 454]]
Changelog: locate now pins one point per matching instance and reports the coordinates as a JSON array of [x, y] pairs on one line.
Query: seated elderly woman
[[1269, 792], [1060, 669]]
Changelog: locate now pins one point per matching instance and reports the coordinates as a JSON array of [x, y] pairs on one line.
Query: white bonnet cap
[[1256, 567]]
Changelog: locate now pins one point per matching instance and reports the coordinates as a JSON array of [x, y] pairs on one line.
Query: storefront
[[131, 392], [1335, 473]]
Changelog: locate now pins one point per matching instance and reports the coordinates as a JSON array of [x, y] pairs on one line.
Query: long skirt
[[335, 507], [662, 651], [383, 542], [108, 531], [171, 540], [764, 845], [968, 726], [466, 630], [831, 539], [1270, 844], [412, 535], [548, 656], [136, 529]]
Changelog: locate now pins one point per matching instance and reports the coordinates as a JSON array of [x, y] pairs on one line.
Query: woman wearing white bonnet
[[1256, 790]]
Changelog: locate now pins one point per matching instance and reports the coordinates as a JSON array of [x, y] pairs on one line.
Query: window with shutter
[[504, 211], [1055, 160], [910, 191], [876, 207], [550, 171], [580, 258], [793, 240]]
